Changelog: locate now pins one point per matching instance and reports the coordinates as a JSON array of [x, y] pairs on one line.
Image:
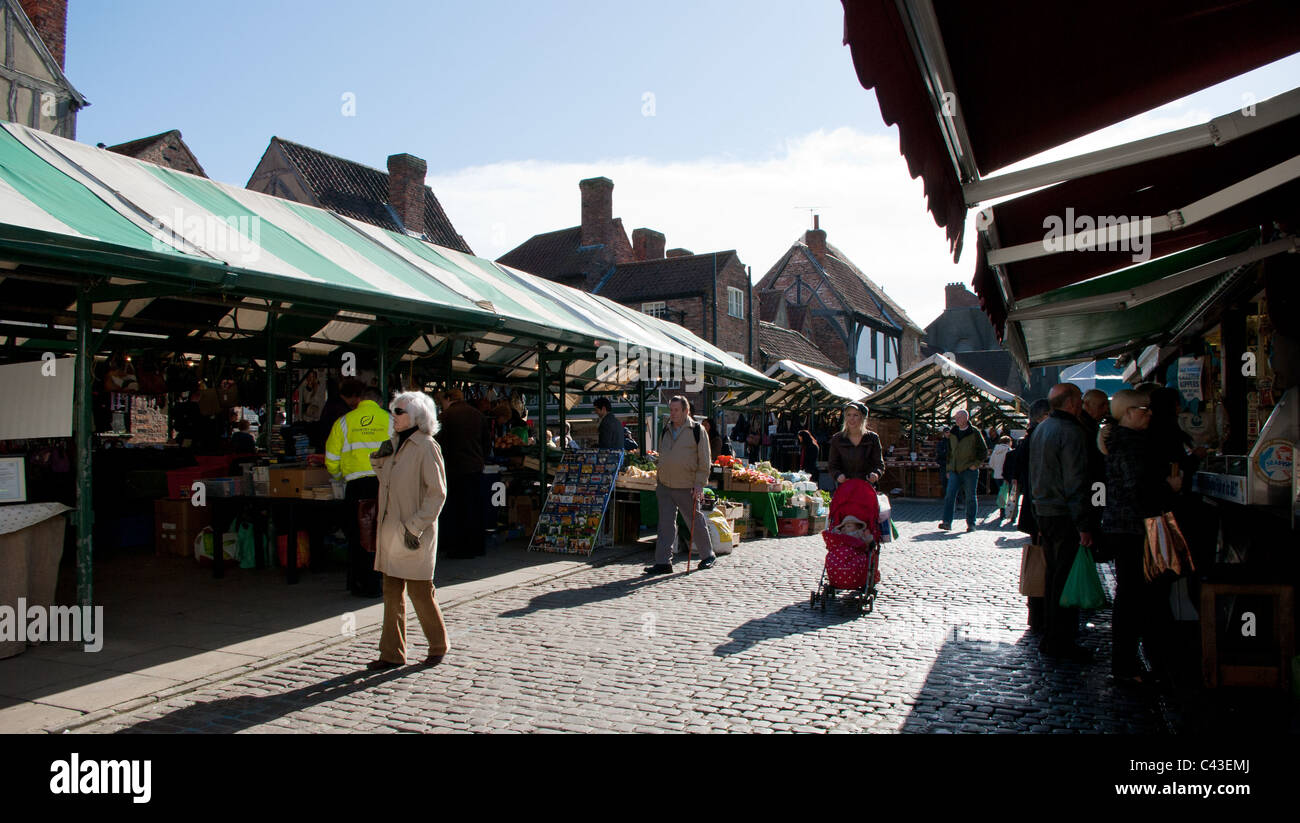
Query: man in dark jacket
[[1096, 408], [966, 453], [609, 431], [462, 440], [1038, 412], [1058, 475]]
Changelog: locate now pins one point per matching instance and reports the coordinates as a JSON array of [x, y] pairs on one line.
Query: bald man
[[1058, 476]]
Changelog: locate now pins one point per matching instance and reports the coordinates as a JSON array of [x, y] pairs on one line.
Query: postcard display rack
[[571, 518]]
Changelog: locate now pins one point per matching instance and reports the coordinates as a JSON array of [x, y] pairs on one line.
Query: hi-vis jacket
[[354, 436]]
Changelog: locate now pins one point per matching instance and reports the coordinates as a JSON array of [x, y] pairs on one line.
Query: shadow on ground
[[233, 714], [796, 618]]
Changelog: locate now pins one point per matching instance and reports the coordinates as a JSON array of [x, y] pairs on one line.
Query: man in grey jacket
[[684, 464], [1058, 477]]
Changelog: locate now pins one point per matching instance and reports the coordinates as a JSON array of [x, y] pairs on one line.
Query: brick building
[[964, 332], [816, 290], [397, 200], [166, 149], [33, 86], [710, 294]]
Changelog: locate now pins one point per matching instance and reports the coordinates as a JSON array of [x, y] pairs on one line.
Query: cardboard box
[[291, 482], [176, 524]]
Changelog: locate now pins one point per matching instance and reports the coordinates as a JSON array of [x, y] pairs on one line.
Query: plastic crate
[[792, 526]]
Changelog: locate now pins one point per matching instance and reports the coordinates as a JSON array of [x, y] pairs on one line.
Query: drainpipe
[[749, 351], [715, 298]]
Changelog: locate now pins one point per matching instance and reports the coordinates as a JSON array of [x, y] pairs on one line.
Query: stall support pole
[[541, 413], [564, 412], [270, 386], [640, 407], [85, 369], [383, 365], [913, 421]]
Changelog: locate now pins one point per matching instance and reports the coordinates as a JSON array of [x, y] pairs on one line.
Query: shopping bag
[[303, 550], [1165, 553], [1033, 571], [203, 545], [368, 520], [247, 544], [1083, 588], [1004, 495]]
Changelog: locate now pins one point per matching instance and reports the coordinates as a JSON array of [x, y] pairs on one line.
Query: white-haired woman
[[412, 490]]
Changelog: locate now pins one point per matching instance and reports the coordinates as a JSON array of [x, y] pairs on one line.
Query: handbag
[[753, 440], [368, 522], [1033, 571], [1165, 553], [1083, 587]]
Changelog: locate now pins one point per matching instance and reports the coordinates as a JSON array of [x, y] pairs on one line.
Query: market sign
[[1274, 462], [1221, 486]]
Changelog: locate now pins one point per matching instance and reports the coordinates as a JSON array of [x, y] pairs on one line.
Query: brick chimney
[[597, 210], [679, 253], [406, 190], [647, 244], [955, 296], [50, 17], [815, 239]]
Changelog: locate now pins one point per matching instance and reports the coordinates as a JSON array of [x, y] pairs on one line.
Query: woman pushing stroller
[[855, 450]]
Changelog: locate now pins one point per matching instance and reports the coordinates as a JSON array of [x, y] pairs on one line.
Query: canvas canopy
[[192, 261], [800, 386], [934, 389]]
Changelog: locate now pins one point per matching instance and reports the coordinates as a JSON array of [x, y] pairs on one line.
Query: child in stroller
[[852, 546]]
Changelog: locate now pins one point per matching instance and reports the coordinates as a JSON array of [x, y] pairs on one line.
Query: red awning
[[1149, 189], [1029, 75]]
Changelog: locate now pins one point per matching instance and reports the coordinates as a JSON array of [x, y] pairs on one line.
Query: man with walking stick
[[684, 461]]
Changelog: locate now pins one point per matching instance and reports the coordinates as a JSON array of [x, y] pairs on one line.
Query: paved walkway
[[733, 648], [171, 627]]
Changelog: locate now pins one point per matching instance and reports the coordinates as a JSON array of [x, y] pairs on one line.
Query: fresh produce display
[[508, 441], [745, 475], [635, 472], [645, 463], [726, 460]]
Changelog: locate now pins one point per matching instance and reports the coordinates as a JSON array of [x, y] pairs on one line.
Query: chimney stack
[[955, 296], [597, 210], [406, 190], [50, 18], [679, 253], [647, 244], [815, 239], [816, 222]]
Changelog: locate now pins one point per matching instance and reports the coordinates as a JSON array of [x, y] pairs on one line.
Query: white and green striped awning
[[72, 208]]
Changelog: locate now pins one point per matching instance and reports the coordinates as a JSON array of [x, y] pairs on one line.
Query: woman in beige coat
[[412, 489]]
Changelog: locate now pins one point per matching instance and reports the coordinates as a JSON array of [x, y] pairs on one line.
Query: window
[[889, 349], [658, 308], [735, 302], [874, 346]]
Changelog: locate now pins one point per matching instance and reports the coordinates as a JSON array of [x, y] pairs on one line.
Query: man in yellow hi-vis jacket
[[347, 457]]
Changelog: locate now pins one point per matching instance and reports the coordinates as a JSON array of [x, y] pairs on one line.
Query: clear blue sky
[[464, 83]]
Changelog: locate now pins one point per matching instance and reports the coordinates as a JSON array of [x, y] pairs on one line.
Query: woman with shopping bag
[[412, 490], [1136, 489]]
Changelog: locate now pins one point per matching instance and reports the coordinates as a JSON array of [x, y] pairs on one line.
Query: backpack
[[695, 427]]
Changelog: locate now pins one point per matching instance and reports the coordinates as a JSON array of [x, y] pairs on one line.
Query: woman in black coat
[[809, 453]]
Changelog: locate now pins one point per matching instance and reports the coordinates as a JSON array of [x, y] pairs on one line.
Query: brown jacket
[[412, 489], [461, 438], [855, 461], [683, 463]]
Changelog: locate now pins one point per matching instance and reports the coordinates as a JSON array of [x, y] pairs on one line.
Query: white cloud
[[869, 207]]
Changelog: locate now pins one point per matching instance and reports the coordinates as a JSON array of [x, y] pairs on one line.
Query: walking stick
[[690, 546]]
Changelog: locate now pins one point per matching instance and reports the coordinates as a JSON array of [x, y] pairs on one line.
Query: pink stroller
[[852, 547]]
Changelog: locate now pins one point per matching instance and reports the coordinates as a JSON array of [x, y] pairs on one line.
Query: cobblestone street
[[733, 648]]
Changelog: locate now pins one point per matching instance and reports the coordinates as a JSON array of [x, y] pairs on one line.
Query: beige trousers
[[392, 643]]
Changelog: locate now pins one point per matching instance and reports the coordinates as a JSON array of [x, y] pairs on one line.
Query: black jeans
[[1060, 544], [363, 580], [460, 526], [1130, 616]]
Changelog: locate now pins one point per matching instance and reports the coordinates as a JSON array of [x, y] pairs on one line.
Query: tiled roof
[[361, 192], [776, 343], [848, 277], [664, 276], [555, 255], [167, 149]]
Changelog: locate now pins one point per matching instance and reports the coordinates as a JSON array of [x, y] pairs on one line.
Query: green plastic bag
[[247, 545], [1083, 589], [1004, 494]]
